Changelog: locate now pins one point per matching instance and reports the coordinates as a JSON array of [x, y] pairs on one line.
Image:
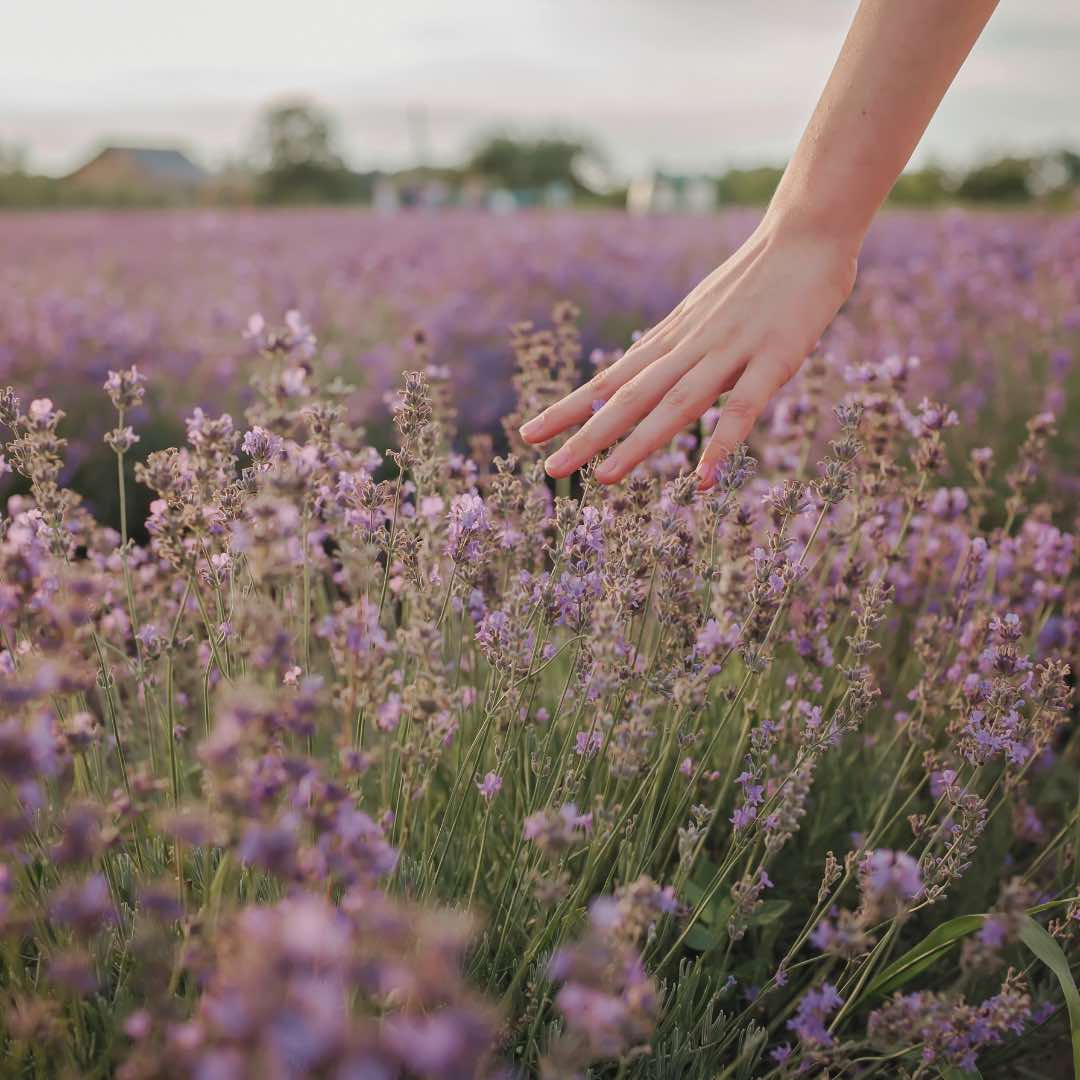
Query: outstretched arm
[[746, 329]]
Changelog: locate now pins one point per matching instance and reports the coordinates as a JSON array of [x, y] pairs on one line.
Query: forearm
[[746, 328], [897, 61]]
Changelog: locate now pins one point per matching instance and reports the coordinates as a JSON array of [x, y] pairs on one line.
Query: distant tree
[[748, 187], [296, 143], [530, 164], [297, 133], [21, 188], [922, 187], [1006, 180], [1071, 161], [12, 158]]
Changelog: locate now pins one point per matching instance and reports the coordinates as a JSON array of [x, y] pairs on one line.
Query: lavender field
[[337, 741], [986, 301]]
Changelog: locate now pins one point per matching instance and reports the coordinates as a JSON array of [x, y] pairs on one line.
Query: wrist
[[796, 234], [801, 216]]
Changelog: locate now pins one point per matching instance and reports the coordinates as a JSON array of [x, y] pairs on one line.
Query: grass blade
[[918, 958], [1049, 952]]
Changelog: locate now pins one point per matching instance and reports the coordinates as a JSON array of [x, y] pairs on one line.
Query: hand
[[746, 329]]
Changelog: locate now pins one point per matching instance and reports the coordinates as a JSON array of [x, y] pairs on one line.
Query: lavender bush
[[989, 302], [379, 763]]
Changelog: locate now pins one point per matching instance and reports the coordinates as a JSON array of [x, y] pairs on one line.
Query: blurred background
[[655, 106]]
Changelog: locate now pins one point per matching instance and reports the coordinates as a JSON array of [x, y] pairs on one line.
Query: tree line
[[297, 160]]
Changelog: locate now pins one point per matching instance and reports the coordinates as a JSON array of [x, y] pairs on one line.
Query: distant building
[[384, 196], [502, 201], [421, 187], [426, 188], [558, 195], [475, 192], [140, 174], [664, 194]]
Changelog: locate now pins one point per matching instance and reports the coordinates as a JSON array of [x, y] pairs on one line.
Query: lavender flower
[[950, 1030], [809, 1021], [490, 786]]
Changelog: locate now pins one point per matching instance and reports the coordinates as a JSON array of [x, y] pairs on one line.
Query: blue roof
[[166, 164]]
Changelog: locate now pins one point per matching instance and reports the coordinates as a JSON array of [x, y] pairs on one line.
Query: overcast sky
[[684, 84]]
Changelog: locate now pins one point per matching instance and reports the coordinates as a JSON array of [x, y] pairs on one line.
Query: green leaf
[[769, 911], [716, 912], [1049, 952], [918, 958], [951, 1072], [694, 893], [705, 874], [701, 938]]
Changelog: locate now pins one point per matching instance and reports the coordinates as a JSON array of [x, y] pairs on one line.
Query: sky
[[686, 85]]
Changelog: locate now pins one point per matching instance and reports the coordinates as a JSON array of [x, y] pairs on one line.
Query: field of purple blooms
[[982, 299], [381, 756]]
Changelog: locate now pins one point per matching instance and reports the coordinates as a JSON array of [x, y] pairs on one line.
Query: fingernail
[[529, 429], [558, 461], [606, 470]]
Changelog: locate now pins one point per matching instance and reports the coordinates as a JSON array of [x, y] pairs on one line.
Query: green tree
[[749, 187], [921, 187], [1006, 180], [21, 188], [296, 143], [530, 164], [1071, 161]]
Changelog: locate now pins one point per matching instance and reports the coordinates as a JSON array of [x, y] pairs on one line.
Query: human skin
[[745, 329]]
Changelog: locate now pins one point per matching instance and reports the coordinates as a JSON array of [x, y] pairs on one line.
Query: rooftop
[[163, 163]]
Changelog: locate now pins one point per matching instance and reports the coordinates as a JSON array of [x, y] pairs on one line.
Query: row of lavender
[[442, 775], [82, 294], [977, 297]]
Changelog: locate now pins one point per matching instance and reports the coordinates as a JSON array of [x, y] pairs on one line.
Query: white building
[[660, 193]]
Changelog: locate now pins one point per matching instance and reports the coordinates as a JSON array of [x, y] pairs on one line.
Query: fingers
[[661, 327], [577, 407], [681, 405], [748, 398], [632, 401]]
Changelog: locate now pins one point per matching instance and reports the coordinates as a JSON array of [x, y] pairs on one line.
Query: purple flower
[[711, 639], [466, 522], [949, 1029], [125, 388], [780, 1053], [993, 933], [41, 413], [893, 874], [814, 1009], [490, 786], [388, 714], [84, 906], [587, 743], [556, 830], [262, 446]]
